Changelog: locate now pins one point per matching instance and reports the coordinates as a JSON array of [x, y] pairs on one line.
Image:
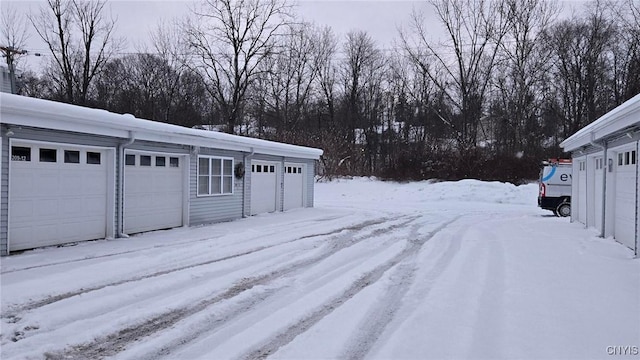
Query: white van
[[555, 186]]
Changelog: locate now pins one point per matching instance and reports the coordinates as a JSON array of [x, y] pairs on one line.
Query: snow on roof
[[622, 118], [25, 111]]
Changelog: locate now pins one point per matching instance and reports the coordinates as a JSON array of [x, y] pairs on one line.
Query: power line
[[9, 52]]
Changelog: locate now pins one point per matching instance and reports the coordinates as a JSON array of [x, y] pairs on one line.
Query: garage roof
[[622, 118], [26, 111]]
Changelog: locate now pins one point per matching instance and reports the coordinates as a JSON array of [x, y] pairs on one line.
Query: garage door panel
[[598, 187], [154, 193], [55, 203], [21, 209], [263, 187], [625, 198], [293, 186]]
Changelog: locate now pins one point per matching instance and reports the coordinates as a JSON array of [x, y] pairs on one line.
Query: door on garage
[[153, 191], [625, 196], [582, 192], [59, 194], [264, 185], [293, 186], [597, 191]]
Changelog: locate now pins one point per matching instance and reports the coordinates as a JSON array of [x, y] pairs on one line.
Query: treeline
[[492, 98]]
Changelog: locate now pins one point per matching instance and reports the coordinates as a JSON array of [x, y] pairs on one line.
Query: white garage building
[[605, 187], [70, 173]]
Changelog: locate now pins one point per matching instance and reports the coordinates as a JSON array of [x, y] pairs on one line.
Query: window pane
[[258, 168], [203, 185], [299, 170], [48, 155], [174, 162], [93, 158], [216, 166], [253, 168], [626, 158], [71, 157], [227, 184], [145, 160], [620, 159], [130, 159], [20, 153], [203, 166], [215, 185], [228, 166], [161, 161], [633, 157], [272, 169]]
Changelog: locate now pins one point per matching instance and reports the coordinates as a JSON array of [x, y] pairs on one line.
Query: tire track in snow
[[359, 346], [13, 314], [114, 343], [142, 249], [390, 303]]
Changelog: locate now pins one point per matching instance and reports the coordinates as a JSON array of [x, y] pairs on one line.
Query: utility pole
[[9, 52]]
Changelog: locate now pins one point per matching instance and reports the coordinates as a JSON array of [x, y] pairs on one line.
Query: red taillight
[[542, 189]]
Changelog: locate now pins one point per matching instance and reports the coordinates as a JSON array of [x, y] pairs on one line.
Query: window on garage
[[215, 176], [130, 159], [627, 158], [145, 160], [48, 155], [20, 153], [93, 158], [71, 157], [161, 161]]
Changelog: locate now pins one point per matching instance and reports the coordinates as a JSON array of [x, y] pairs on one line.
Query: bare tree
[[523, 64], [581, 49], [169, 46], [362, 77], [231, 39], [15, 31], [288, 78], [626, 51], [14, 37], [81, 41], [143, 84], [462, 67], [327, 45]]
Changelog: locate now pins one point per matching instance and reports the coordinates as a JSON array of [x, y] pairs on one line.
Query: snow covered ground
[[422, 270]]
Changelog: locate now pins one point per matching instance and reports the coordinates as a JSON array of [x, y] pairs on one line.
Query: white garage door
[[263, 187], [154, 191], [582, 192], [625, 198], [58, 194], [597, 191], [293, 186]]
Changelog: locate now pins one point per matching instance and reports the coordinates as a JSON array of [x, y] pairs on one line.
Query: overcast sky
[[136, 18]]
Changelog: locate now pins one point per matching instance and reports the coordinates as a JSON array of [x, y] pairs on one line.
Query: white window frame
[[211, 176]]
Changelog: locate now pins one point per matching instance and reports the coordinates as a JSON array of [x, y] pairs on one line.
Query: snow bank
[[396, 194]]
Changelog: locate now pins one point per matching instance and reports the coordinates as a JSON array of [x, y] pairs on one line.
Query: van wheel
[[563, 210]]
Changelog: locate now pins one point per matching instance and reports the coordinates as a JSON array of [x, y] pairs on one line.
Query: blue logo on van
[[553, 171]]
